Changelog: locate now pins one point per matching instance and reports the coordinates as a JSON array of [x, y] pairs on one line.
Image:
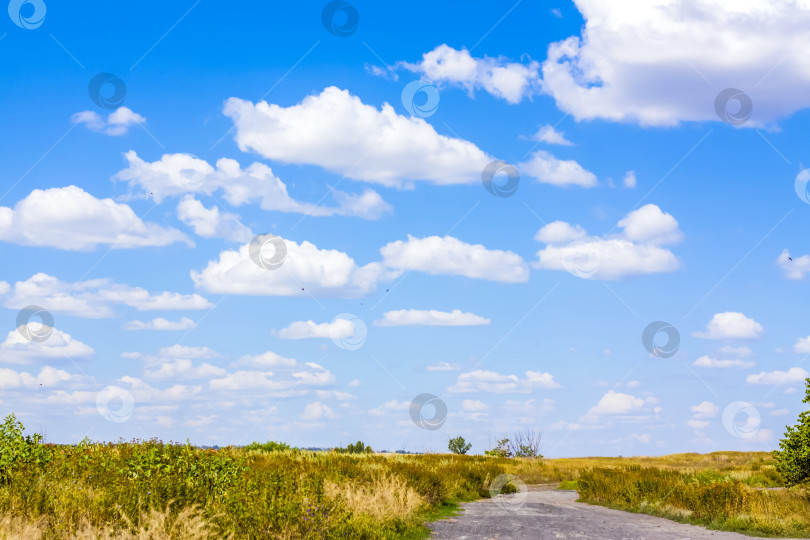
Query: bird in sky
[[790, 258]]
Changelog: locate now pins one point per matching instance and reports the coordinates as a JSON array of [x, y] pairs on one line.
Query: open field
[[148, 489]]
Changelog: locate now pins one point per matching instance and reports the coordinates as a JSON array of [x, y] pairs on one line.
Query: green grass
[[150, 489], [718, 500]]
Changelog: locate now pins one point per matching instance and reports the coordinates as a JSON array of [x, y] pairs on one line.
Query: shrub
[[18, 450], [501, 450], [793, 458]]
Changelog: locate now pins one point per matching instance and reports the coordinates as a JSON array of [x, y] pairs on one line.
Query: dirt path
[[545, 512]]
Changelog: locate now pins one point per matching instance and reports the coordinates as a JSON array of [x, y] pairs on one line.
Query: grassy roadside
[[148, 489], [729, 502]]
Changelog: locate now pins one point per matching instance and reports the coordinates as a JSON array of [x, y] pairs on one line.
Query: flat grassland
[[148, 489]]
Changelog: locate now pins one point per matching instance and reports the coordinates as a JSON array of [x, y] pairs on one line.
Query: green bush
[[18, 450], [793, 458]]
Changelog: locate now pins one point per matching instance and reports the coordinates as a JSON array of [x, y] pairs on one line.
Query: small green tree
[[458, 445], [793, 458]]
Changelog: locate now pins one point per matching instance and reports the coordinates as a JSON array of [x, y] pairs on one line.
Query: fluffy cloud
[[266, 359], [706, 409], [559, 232], [664, 61], [317, 411], [637, 250], [490, 381], [793, 375], [450, 256], [176, 362], [731, 325], [617, 403], [183, 368], [69, 218], [306, 270], [802, 346], [288, 378], [793, 269], [547, 134], [48, 376], [338, 132], [711, 362], [93, 298], [390, 406], [59, 345], [629, 180], [178, 174], [117, 123], [210, 222], [444, 366], [406, 317], [340, 328], [160, 323], [503, 79], [549, 170]]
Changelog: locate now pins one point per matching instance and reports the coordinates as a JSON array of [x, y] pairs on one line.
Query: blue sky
[[642, 197]]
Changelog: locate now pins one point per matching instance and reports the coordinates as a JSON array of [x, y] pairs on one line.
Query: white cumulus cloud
[[71, 219], [117, 122], [661, 62], [637, 250], [432, 317], [497, 383], [506, 80], [731, 325], [338, 132]]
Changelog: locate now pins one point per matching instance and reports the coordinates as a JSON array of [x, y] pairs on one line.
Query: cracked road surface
[[548, 513]]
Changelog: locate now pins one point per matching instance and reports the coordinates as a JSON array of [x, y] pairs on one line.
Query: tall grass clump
[[707, 497]]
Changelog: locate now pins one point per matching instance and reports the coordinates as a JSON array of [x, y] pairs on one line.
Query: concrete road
[[545, 513]]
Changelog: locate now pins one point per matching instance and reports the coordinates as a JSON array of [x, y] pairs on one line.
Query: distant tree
[[501, 450], [269, 446], [357, 448], [458, 445], [793, 458]]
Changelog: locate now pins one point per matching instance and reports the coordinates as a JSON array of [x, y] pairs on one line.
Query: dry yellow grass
[[188, 524], [385, 497]]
